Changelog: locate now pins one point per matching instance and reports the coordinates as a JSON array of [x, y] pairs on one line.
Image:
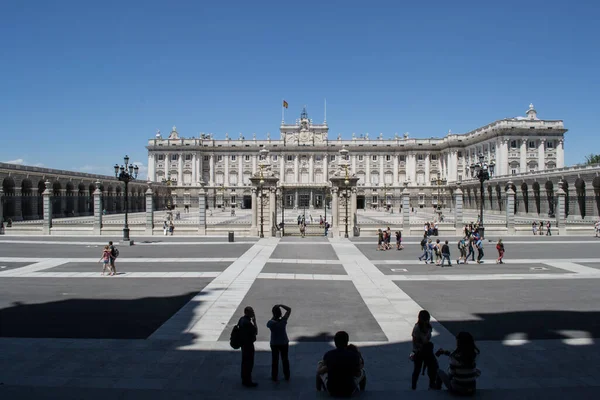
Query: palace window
[[173, 157], [232, 158], [531, 144], [219, 158], [274, 158], [318, 158], [459, 154], [420, 157], [361, 158], [206, 158], [513, 171], [388, 158], [161, 157], [513, 144], [188, 157], [290, 158], [550, 144], [331, 158], [433, 157], [402, 158], [374, 158], [247, 158]]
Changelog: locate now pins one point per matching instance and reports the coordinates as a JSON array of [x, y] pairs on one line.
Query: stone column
[[2, 211], [253, 227], [541, 159], [458, 209], [282, 168], [270, 218], [510, 208], [523, 156], [368, 170], [311, 170], [194, 170], [17, 198], [560, 153], [352, 214], [202, 210], [149, 211], [47, 195], [226, 173], [151, 167], [310, 202], [560, 209], [381, 171], [325, 172], [97, 209], [406, 209], [180, 159], [427, 169], [335, 210], [395, 183], [211, 173], [240, 170], [296, 169], [296, 204]]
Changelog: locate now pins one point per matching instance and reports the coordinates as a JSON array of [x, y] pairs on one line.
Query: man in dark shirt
[[340, 371], [248, 332], [446, 254]]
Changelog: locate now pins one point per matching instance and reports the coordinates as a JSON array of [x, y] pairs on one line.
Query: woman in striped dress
[[462, 370]]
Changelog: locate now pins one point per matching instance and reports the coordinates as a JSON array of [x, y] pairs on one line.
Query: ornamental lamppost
[[126, 173], [482, 171], [344, 156], [263, 158], [439, 182]]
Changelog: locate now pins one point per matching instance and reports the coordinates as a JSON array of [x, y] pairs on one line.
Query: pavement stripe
[[392, 308], [310, 277], [506, 261], [62, 274], [208, 313], [573, 267], [39, 266], [302, 261], [122, 260], [492, 277], [117, 243]]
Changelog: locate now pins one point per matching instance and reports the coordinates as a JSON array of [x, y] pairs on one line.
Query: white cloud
[[20, 161]]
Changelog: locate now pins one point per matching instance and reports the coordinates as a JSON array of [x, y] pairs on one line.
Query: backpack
[[423, 242], [461, 244], [115, 252], [235, 340]]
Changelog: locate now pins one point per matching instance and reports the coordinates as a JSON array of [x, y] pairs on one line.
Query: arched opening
[[536, 197], [41, 187], [596, 186], [581, 198], [90, 203], [499, 197], [27, 199], [524, 198], [118, 200], [70, 197], [550, 197], [82, 199], [490, 198], [57, 199], [8, 204], [568, 207]]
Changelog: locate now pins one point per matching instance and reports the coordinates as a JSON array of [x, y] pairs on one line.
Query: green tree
[[592, 159]]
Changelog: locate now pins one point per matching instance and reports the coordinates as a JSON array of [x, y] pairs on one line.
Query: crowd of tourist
[[341, 371]]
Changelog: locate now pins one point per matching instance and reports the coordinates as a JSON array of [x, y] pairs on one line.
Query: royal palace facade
[[304, 158]]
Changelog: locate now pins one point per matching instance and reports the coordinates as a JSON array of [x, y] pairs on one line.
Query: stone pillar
[[368, 170], [560, 209], [296, 204], [560, 153], [458, 209], [510, 208], [541, 159], [406, 209], [270, 218], [335, 206], [149, 211], [17, 198], [97, 209], [211, 172], [352, 214], [226, 173], [395, 183], [523, 155], [202, 210], [427, 168], [47, 195], [253, 227]]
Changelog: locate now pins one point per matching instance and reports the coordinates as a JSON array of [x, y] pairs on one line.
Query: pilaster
[[560, 209], [458, 209], [406, 209], [47, 199], [97, 229], [510, 208], [149, 211], [202, 209]]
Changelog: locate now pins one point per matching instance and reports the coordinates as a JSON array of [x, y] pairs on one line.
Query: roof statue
[[174, 134], [226, 136], [268, 136], [241, 137], [339, 136], [158, 136], [367, 135], [304, 114], [254, 136], [353, 135], [380, 135], [405, 135]]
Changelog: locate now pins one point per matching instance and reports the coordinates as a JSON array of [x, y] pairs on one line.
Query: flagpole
[[282, 112]]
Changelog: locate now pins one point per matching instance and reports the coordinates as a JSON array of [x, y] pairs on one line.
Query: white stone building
[[304, 157]]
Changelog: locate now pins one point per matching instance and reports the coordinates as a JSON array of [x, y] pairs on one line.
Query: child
[[399, 240], [462, 371], [105, 259], [379, 239], [500, 248], [360, 381]]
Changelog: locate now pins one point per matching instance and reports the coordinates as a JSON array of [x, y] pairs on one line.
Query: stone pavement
[[161, 327]]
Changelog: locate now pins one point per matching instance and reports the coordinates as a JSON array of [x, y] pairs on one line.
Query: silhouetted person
[[462, 370], [423, 350], [340, 369], [248, 332], [279, 341]]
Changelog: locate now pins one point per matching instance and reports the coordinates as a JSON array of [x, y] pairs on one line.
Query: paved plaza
[[160, 328]]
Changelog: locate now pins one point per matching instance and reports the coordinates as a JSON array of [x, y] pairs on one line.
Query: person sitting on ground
[[340, 369], [462, 372]]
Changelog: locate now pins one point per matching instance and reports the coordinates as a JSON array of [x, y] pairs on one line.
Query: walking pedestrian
[[549, 229], [423, 247], [534, 228], [500, 248], [279, 341], [479, 245], [471, 252], [597, 228], [171, 228], [165, 228], [114, 253], [105, 260], [462, 248], [380, 239], [248, 332], [446, 254], [399, 240], [437, 248], [541, 228]]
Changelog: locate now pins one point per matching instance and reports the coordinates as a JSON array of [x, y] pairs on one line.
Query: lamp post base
[[126, 240], [481, 231]]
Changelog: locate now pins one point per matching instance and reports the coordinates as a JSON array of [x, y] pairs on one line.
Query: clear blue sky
[[82, 83]]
